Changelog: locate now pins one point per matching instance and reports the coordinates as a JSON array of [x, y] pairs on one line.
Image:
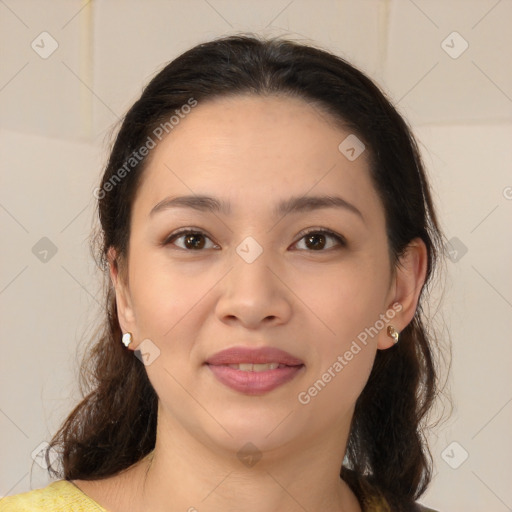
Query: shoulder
[[371, 499], [59, 496]]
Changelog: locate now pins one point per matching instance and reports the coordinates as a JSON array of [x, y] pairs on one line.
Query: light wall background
[[56, 112]]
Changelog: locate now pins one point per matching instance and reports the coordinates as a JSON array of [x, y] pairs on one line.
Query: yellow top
[[59, 496], [64, 496]]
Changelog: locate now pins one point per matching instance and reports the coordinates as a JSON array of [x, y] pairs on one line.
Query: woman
[[269, 234]]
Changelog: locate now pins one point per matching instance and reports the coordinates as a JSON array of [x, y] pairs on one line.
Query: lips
[[254, 371], [264, 355]]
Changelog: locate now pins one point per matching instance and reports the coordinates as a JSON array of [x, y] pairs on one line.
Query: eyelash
[[317, 231]]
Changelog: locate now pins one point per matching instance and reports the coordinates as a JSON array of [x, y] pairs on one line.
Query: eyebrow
[[291, 205]]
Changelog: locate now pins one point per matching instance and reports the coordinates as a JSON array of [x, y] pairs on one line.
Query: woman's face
[[252, 277]]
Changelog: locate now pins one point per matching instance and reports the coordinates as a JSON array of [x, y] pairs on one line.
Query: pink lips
[[262, 355], [250, 382]]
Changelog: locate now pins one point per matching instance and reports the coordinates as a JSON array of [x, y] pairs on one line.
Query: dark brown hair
[[114, 426]]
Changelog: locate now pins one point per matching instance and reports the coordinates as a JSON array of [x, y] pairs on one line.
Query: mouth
[[256, 367], [253, 356], [254, 371]]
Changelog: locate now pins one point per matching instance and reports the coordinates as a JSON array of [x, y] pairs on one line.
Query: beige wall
[[55, 116]]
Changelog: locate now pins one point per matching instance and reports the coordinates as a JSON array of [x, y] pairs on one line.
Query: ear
[[410, 274], [123, 301]]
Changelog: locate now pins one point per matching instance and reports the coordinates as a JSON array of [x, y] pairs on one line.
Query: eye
[[314, 240], [317, 239], [193, 240]]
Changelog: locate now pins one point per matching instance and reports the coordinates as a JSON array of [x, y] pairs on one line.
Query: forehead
[[264, 147]]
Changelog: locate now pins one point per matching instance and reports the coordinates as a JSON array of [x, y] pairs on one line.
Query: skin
[[253, 152]]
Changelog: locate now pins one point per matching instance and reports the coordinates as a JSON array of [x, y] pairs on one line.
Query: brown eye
[[194, 241], [190, 240], [319, 240]]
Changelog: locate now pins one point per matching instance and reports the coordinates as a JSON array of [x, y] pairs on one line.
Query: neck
[[183, 473]]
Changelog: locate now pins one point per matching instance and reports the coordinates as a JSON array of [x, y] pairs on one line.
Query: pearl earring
[[127, 338]]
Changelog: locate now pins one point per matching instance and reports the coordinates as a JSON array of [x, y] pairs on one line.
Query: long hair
[[114, 426]]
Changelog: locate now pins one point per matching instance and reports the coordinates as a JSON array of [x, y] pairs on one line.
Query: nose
[[254, 295]]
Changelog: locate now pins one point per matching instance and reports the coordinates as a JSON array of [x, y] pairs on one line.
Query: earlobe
[[409, 279], [389, 335]]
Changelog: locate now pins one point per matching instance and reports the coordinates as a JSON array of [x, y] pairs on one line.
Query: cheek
[[164, 294], [348, 303], [345, 298], [342, 350], [336, 387]]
